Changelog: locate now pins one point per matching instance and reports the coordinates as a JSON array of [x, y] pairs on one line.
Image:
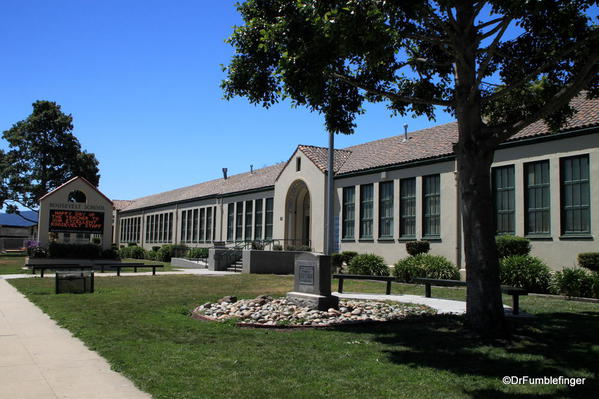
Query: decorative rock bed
[[265, 311]]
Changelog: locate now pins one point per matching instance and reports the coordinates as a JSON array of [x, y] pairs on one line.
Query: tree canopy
[[496, 65], [43, 153]]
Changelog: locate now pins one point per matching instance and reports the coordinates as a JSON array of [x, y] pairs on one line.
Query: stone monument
[[312, 284]]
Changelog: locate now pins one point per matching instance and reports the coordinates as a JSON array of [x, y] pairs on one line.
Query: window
[[147, 228], [575, 195], [431, 186], [298, 164], [386, 209], [248, 220], [504, 199], [366, 211], [184, 226], [230, 221], [537, 198], [209, 224], [268, 219], [203, 225], [239, 222], [258, 220], [407, 208], [349, 212], [194, 237]]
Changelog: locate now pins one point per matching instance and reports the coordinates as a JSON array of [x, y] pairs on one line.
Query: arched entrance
[[297, 215]]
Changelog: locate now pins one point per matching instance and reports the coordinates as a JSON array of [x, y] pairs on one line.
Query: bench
[[54, 266], [342, 277], [119, 266], [513, 291]]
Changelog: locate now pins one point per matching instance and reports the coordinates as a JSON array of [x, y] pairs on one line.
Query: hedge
[[425, 266], [368, 264], [512, 246]]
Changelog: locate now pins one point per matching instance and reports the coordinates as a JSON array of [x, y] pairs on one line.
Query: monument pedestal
[[312, 284]]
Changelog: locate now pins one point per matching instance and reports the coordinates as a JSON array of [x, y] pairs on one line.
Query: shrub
[[133, 252], [195, 253], [348, 256], [151, 255], [336, 261], [526, 272], [37, 252], [589, 260], [368, 264], [425, 266], [576, 282], [512, 246], [302, 248], [277, 247], [74, 251], [168, 251], [258, 245], [155, 248], [418, 247], [131, 244], [109, 254], [96, 240]]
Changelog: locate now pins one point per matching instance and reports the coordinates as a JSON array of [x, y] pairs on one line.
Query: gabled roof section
[[121, 204], [259, 178], [72, 180], [320, 155]]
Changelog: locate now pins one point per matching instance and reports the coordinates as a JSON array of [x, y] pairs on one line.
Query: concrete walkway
[[39, 360]]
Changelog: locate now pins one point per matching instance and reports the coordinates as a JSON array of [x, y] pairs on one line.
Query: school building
[[390, 191]]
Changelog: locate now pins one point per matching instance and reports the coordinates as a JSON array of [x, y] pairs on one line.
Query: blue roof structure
[[9, 219]]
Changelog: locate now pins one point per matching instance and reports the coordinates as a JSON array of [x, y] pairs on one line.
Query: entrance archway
[[298, 215]]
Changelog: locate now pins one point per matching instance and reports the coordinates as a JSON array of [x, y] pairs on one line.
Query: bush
[[109, 254], [151, 255], [96, 240], [425, 266], [277, 247], [575, 282], [258, 245], [337, 261], [133, 252], [589, 260], [418, 247], [74, 251], [348, 256], [131, 244], [168, 251], [526, 272], [195, 253], [155, 248], [37, 252], [512, 246], [368, 264]]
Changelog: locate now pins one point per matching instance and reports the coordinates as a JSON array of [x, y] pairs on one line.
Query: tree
[[497, 66], [43, 154]]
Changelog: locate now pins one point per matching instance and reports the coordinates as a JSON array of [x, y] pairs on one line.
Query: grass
[[142, 326]]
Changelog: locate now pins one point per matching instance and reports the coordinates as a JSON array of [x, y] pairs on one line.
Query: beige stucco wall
[[58, 199], [315, 180]]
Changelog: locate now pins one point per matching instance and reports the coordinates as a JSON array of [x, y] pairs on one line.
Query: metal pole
[[330, 211]]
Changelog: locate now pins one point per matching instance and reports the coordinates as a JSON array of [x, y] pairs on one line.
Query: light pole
[[330, 238]]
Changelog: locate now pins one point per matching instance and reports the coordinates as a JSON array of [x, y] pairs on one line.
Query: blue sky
[[141, 79]]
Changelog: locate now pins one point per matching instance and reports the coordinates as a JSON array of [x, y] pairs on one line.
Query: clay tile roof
[[259, 178], [319, 155], [121, 204]]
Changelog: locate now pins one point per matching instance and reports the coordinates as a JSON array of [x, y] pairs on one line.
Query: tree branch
[[488, 23], [559, 100], [390, 95], [490, 33], [482, 69]]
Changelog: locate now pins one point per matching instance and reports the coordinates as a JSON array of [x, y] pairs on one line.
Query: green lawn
[[142, 326]]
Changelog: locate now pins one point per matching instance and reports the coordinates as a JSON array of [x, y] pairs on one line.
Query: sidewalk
[[39, 360]]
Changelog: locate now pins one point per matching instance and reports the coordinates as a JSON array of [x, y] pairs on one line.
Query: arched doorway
[[297, 215]]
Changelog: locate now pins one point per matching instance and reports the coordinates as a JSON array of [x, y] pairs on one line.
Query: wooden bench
[[53, 266], [342, 277], [119, 266], [513, 291]]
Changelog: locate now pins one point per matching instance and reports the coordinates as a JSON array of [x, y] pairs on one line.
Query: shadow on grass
[[552, 344]]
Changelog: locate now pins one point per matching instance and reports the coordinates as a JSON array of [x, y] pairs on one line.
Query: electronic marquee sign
[[67, 221]]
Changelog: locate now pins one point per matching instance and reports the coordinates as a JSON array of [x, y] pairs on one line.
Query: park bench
[[342, 277], [53, 266], [513, 291], [119, 266]]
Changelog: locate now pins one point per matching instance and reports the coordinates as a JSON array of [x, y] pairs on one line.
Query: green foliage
[[168, 251], [302, 248], [96, 240], [74, 251], [43, 154], [37, 252], [526, 272], [589, 260], [512, 246], [425, 266], [348, 256], [417, 247], [277, 247], [195, 253], [155, 248], [151, 255], [132, 252], [109, 254], [336, 261], [131, 244], [368, 264], [576, 282]]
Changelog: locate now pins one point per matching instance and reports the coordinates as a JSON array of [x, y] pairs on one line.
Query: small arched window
[[77, 196]]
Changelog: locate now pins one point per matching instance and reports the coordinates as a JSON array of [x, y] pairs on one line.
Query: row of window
[[245, 220], [159, 228], [198, 225], [130, 229], [575, 204], [431, 205]]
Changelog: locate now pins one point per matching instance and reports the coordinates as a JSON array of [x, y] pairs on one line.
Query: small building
[[15, 230], [390, 191]]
